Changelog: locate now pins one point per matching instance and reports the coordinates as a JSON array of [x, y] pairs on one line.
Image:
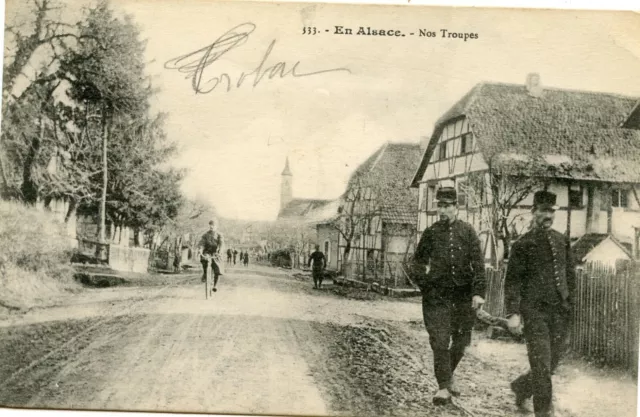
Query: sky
[[234, 144]]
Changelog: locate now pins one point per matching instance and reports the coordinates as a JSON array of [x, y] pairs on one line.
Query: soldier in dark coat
[[211, 244], [539, 287], [318, 262], [449, 268]]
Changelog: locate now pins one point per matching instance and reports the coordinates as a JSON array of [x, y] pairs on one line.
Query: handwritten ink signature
[[194, 63]]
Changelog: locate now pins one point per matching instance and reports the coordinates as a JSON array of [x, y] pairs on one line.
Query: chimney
[[534, 85]]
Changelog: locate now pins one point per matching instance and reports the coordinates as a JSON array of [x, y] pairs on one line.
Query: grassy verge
[[34, 258]]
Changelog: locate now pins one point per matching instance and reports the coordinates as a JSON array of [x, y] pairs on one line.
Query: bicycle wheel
[[207, 282]]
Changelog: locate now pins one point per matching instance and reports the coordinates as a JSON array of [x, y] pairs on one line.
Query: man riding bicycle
[[210, 244]]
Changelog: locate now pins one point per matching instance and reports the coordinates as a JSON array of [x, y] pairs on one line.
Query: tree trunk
[[345, 257], [71, 211], [103, 197], [29, 188]]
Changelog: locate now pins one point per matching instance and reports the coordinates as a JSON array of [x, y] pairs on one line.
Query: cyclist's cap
[[211, 223]]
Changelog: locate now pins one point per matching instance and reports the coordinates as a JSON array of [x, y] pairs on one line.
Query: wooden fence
[[606, 317], [494, 300], [392, 274]]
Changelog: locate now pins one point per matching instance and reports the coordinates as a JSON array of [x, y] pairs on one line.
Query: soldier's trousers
[[545, 330], [318, 276], [448, 317]]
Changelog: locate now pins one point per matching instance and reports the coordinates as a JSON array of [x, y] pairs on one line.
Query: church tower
[[286, 186]]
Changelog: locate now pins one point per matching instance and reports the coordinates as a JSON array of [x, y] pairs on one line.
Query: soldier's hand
[[515, 324], [477, 302]]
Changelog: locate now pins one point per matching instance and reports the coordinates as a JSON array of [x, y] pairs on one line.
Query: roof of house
[[589, 241], [633, 121], [299, 208], [324, 213], [391, 168], [586, 128]]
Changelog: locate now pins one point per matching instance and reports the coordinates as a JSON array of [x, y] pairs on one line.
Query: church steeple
[[286, 185], [287, 170]]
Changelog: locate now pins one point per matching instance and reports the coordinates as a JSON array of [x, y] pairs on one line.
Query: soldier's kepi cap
[[446, 195], [545, 199]]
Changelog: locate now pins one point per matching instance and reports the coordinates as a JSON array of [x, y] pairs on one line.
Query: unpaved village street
[[266, 343]]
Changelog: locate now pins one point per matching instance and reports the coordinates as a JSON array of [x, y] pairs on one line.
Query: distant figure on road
[[229, 255], [235, 254], [540, 285], [241, 259], [177, 259], [448, 266], [211, 244], [246, 259], [319, 262]]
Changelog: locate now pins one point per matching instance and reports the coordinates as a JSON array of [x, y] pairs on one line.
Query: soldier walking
[[318, 262], [539, 287], [449, 268]]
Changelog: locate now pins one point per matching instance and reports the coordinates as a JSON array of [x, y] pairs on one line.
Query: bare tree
[[357, 215], [494, 194]]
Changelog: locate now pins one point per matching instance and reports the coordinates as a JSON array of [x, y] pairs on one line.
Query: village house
[[584, 146], [378, 215], [326, 219]]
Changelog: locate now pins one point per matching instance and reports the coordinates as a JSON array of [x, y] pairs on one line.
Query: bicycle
[[208, 288]]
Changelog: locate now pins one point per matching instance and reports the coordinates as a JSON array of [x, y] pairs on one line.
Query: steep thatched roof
[[591, 131]]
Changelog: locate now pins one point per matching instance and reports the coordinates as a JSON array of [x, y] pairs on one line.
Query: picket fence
[[606, 317]]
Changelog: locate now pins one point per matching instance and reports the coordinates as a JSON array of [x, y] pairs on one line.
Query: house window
[[431, 197], [466, 144], [619, 198], [442, 151], [575, 197]]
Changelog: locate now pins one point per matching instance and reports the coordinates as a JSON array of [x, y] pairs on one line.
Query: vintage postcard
[[319, 209]]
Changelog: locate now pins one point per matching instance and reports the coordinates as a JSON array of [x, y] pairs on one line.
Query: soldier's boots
[[521, 397], [548, 413], [453, 388], [442, 397]]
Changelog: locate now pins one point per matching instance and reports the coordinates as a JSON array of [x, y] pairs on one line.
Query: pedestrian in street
[[211, 244], [235, 254], [177, 260], [539, 289], [318, 263], [229, 255], [448, 266], [246, 258]]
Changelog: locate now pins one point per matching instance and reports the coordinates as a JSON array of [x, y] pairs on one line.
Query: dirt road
[[265, 344]]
